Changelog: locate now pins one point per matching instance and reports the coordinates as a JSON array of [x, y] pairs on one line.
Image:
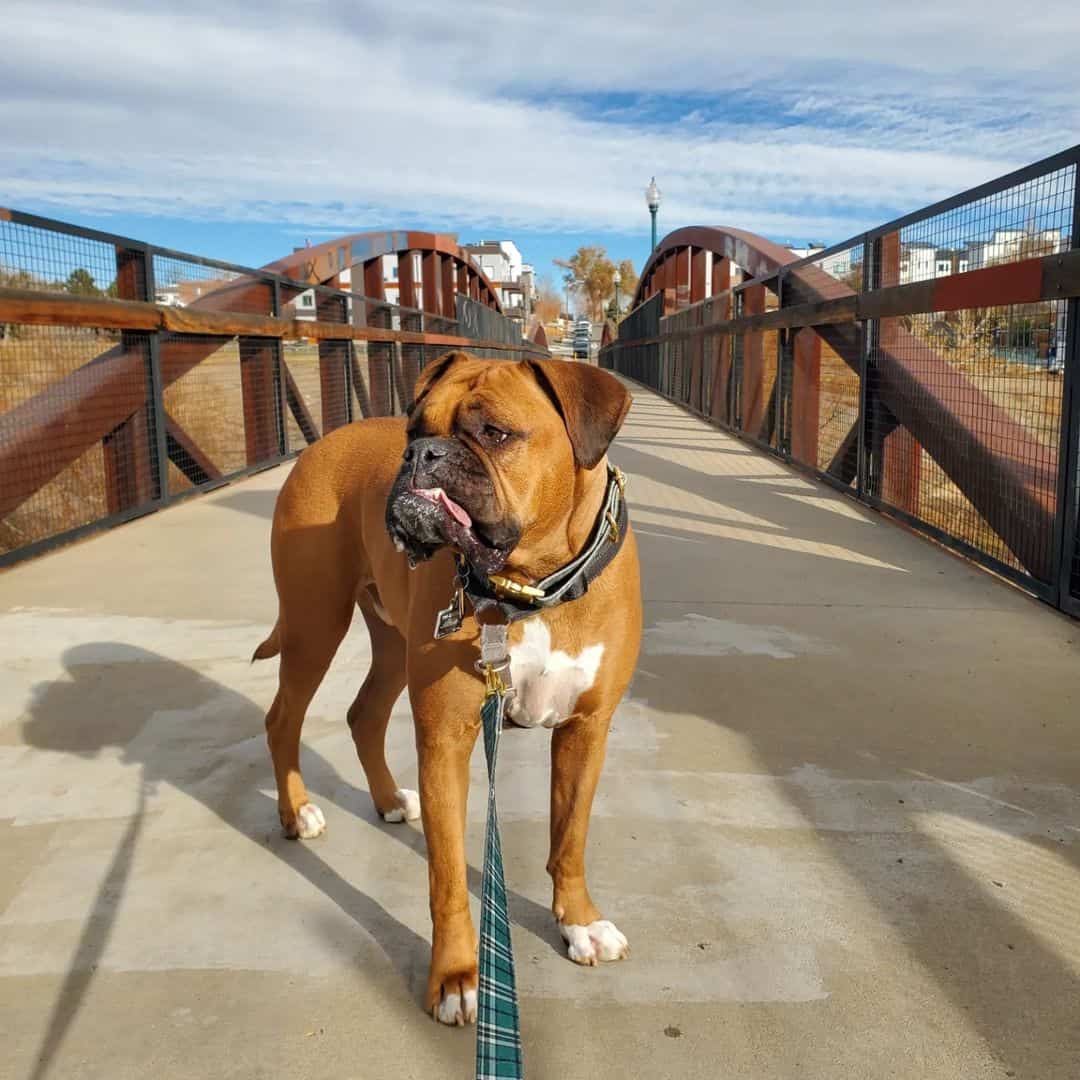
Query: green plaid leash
[[498, 1031]]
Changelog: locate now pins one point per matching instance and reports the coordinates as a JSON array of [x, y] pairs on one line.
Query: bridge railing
[[928, 367], [132, 376]]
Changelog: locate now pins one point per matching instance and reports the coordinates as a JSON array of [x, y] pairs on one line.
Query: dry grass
[[207, 402], [32, 359]]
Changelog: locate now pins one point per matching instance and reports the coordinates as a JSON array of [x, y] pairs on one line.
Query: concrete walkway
[[840, 819]]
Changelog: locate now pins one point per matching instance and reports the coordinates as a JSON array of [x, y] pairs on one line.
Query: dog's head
[[497, 452]]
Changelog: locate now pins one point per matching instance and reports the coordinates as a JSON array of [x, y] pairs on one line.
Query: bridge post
[[412, 356], [698, 285], [753, 367], [135, 469], [431, 272], [258, 361], [1067, 533], [681, 265], [449, 291], [333, 361], [805, 396], [721, 361], [380, 354], [895, 455]]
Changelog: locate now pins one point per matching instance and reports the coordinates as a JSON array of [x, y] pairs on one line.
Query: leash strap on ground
[[498, 1032]]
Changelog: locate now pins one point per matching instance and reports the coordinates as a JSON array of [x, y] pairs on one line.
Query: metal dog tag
[[448, 621]]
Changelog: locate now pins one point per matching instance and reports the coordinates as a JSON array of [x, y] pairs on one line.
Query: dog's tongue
[[458, 513]]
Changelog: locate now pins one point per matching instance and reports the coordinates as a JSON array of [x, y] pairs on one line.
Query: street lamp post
[[618, 280], [652, 201]]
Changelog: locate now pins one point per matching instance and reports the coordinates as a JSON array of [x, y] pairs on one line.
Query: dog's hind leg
[[369, 717], [309, 640]]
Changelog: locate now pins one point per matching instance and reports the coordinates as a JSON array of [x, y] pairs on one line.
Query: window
[[307, 300], [341, 258]]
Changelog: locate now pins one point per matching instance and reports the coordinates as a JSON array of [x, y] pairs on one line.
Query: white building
[[512, 277], [837, 265], [1008, 245]]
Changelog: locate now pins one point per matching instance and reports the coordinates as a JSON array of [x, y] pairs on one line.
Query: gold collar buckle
[[515, 589]]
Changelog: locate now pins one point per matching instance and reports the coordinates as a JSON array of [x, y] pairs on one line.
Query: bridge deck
[[840, 819]]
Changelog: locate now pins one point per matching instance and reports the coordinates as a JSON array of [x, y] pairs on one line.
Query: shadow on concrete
[[95, 937], [250, 501], [1015, 989], [112, 692]]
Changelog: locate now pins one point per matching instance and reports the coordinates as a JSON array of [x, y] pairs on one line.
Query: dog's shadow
[[107, 700]]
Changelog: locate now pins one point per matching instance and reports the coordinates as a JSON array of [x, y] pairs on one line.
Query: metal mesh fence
[[186, 283], [204, 411], [300, 374], [42, 259], [1022, 221], [77, 440], [831, 274], [1074, 576], [98, 425], [906, 391], [964, 434]]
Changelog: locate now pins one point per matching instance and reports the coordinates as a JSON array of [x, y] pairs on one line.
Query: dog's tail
[[270, 647]]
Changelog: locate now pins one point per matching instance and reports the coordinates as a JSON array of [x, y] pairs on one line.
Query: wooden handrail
[[31, 307]]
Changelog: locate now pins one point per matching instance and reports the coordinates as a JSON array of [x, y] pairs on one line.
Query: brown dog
[[506, 465]]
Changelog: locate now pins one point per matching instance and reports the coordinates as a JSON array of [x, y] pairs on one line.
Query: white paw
[[596, 943], [310, 822], [453, 1011], [407, 809]]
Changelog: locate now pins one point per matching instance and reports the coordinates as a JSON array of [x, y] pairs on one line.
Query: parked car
[[582, 339]]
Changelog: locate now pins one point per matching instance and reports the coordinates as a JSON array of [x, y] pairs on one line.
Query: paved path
[[839, 822]]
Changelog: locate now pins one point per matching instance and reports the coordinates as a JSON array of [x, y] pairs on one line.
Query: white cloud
[[476, 114]]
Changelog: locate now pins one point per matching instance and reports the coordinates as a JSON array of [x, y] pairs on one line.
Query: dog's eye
[[493, 434]]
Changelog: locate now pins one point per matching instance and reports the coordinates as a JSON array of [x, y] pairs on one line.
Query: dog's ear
[[593, 404], [431, 375]]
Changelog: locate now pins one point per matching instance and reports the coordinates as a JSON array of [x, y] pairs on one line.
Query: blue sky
[[239, 130]]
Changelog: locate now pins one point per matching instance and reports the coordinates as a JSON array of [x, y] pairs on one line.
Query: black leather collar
[[569, 582]]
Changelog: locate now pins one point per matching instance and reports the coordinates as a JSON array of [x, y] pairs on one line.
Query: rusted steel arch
[[321, 264], [43, 435], [759, 257], [991, 458]]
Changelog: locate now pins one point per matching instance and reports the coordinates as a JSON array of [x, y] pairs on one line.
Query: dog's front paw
[[453, 1001], [407, 809], [596, 943], [457, 1009], [306, 825]]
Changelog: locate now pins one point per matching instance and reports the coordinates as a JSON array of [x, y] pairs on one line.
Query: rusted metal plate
[[753, 374], [698, 260], [806, 397], [129, 476], [407, 279], [257, 357], [333, 383], [431, 264], [449, 287]]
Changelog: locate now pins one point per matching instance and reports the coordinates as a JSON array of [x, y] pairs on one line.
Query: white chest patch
[[548, 682]]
